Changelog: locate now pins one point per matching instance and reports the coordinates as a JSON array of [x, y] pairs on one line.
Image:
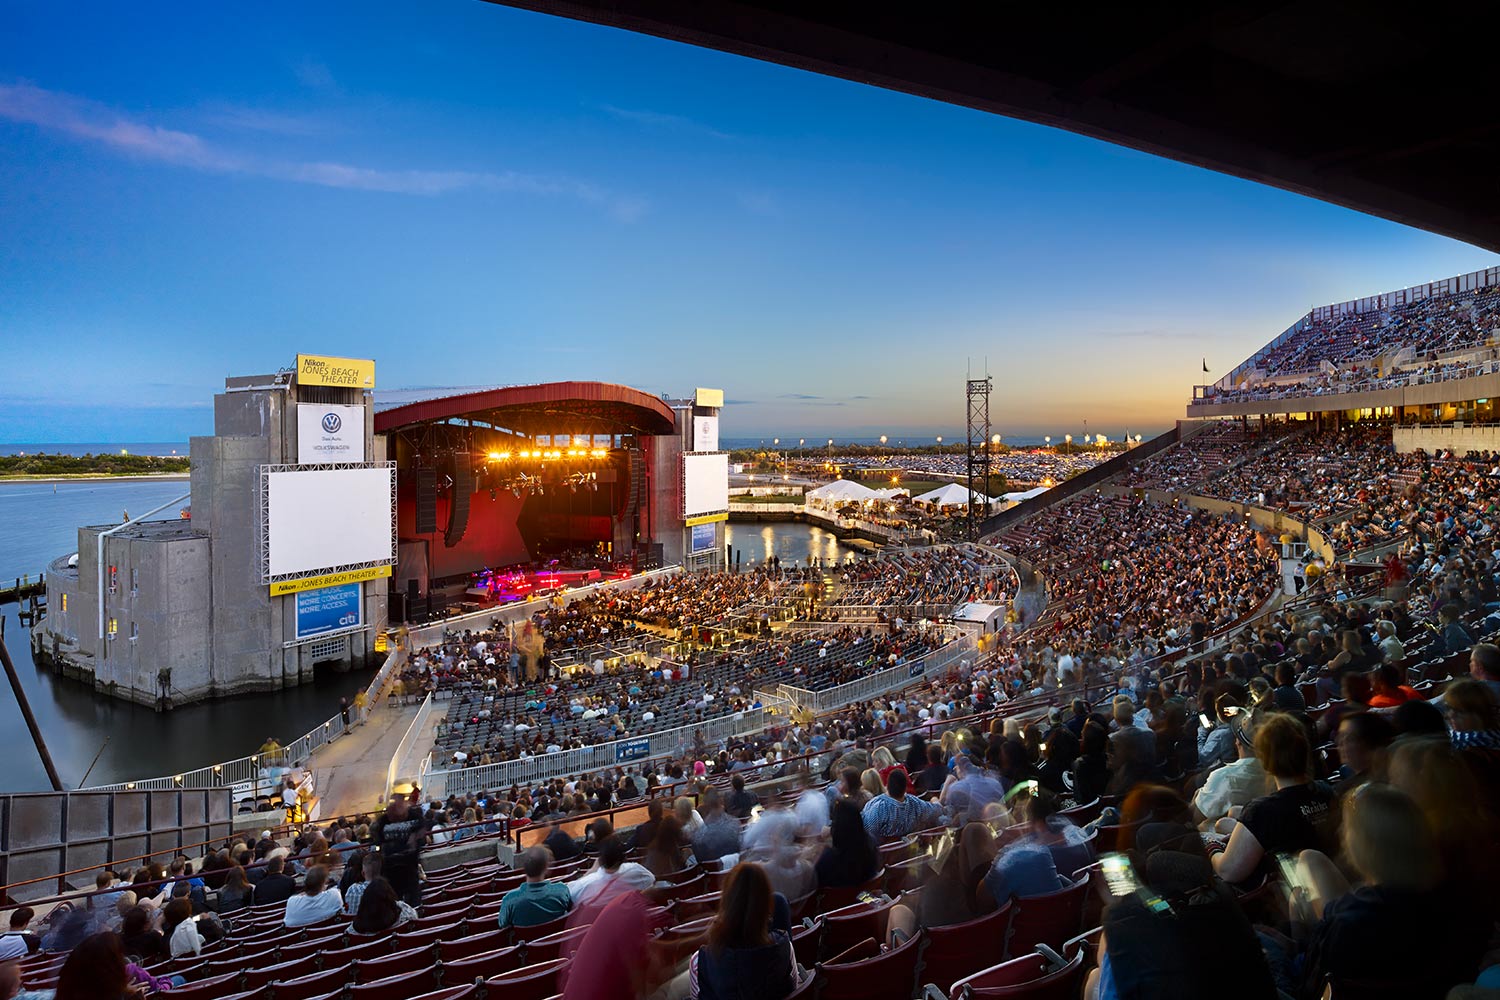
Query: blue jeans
[[177, 981]]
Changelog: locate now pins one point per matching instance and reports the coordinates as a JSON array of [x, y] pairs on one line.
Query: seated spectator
[[1388, 690], [317, 901], [610, 876], [536, 900], [236, 891], [1058, 754], [958, 888], [641, 839], [1400, 909], [850, 858], [181, 929], [895, 814], [141, 938], [720, 834], [20, 933], [930, 779], [369, 869], [380, 909], [741, 800], [1362, 741], [1090, 774], [1048, 845], [97, 969], [1298, 816], [688, 816], [749, 950], [667, 852], [275, 885], [1230, 788]]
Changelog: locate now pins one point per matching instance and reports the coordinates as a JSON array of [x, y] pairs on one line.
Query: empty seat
[[402, 987], [559, 945], [473, 944], [530, 982], [1032, 977], [368, 970], [1050, 919], [211, 988], [483, 965], [848, 926], [316, 985], [959, 950], [259, 976], [888, 974]]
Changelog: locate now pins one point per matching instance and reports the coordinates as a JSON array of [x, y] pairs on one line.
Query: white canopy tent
[[1024, 495], [841, 491], [951, 495]]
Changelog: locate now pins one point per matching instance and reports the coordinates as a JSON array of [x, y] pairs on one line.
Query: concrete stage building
[[318, 508]]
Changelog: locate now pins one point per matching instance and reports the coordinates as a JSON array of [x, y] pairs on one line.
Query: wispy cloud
[[662, 120], [314, 74], [244, 118], [797, 395], [90, 122]]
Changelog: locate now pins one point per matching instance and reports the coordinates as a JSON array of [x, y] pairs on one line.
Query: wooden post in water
[[36, 732]]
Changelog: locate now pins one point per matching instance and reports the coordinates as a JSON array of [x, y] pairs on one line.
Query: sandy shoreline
[[161, 477]]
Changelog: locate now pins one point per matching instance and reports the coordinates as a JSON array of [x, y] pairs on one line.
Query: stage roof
[[1383, 109], [547, 408]]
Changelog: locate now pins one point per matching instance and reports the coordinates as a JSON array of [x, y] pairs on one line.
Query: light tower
[[978, 398]]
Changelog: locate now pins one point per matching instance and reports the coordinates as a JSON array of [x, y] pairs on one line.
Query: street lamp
[[1048, 439], [882, 439], [1068, 439]]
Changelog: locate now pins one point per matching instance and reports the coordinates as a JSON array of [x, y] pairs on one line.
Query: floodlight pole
[[978, 399]]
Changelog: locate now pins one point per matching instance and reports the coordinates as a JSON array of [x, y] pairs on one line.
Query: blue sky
[[477, 195]]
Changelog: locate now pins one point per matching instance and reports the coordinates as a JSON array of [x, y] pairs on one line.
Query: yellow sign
[[349, 373], [706, 519], [709, 397], [329, 580]]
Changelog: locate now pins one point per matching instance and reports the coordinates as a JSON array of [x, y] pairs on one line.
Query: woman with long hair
[[181, 930], [140, 938], [749, 951], [97, 969], [664, 855], [850, 859], [380, 909], [236, 892]]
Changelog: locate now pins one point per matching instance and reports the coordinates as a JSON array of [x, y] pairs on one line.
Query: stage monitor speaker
[[458, 503], [426, 480]]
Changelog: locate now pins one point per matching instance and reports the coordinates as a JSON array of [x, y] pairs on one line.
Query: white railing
[[257, 771], [898, 676], [675, 741], [403, 749]]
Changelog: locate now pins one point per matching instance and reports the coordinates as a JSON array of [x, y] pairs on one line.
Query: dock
[[30, 593]]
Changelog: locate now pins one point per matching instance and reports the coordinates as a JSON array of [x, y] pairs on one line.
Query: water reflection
[[796, 544]]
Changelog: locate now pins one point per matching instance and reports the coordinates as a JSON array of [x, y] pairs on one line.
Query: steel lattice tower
[[979, 447]]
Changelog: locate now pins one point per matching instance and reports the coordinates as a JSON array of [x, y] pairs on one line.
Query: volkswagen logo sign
[[332, 422]]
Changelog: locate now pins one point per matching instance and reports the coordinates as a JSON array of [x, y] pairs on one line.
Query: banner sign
[[693, 522], [329, 433], [328, 609], [628, 750], [328, 580], [705, 433], [347, 373], [704, 538], [916, 669]]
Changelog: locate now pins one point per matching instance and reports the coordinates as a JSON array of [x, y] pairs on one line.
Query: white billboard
[[320, 519], [330, 433], [705, 484]]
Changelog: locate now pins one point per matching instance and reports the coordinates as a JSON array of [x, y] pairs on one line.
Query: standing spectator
[[536, 900], [400, 834]]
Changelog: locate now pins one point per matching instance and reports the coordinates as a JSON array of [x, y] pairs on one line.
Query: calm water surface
[[36, 526]]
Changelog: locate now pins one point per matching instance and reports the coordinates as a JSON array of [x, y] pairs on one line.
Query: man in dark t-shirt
[[1295, 818]]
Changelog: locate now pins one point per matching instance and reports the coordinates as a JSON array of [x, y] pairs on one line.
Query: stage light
[[494, 456], [505, 456]]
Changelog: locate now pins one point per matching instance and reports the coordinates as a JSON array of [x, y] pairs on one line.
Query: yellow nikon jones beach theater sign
[[329, 580], [348, 373]]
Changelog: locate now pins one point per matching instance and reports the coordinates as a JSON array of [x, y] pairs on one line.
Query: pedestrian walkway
[[350, 772]]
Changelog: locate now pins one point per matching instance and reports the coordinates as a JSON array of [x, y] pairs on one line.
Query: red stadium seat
[[473, 944], [259, 993], [422, 936], [559, 945], [846, 927], [1031, 977], [483, 965], [212, 988], [1050, 919], [663, 895], [696, 906], [889, 974], [402, 987], [962, 949], [530, 982], [316, 985], [262, 974], [369, 948], [838, 897], [520, 934], [368, 970], [469, 992], [1088, 944]]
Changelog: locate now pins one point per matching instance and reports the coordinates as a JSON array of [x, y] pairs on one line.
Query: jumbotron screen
[[705, 483]]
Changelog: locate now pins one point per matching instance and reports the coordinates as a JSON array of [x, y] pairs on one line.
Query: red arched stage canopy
[[529, 410]]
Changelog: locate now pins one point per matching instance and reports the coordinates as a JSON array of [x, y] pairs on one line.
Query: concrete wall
[[1460, 439]]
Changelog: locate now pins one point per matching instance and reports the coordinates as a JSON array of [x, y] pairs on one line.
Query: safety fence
[[398, 762], [257, 774], [892, 678]]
